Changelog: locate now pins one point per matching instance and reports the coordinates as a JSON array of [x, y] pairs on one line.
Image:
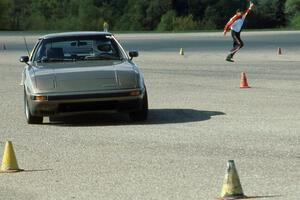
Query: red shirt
[[234, 18]]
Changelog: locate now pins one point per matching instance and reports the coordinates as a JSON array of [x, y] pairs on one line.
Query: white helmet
[[100, 47]]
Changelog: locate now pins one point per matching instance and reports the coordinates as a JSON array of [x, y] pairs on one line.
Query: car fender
[[29, 81]]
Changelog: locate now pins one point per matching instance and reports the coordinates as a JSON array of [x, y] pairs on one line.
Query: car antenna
[[26, 46]]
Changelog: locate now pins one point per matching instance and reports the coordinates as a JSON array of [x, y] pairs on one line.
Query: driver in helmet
[[102, 47]]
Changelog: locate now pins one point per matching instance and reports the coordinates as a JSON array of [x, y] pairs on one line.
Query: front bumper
[[67, 104]]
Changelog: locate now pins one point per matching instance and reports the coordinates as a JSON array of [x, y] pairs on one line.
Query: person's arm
[[229, 23], [249, 9]]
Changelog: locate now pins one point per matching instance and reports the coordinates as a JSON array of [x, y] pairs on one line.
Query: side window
[[34, 50], [39, 51], [118, 46]]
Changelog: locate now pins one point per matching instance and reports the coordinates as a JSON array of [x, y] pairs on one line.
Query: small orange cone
[[244, 82], [279, 51], [9, 160]]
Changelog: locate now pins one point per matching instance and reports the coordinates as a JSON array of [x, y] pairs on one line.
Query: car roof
[[75, 34]]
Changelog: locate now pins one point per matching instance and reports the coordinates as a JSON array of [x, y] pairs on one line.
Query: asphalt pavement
[[199, 119]]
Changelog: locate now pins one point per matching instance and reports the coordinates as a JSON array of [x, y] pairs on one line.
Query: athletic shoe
[[229, 58]]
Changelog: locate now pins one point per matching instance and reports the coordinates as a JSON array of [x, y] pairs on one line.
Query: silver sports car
[[79, 72]]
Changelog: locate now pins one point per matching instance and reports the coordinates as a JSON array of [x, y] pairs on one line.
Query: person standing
[[105, 27], [236, 24]]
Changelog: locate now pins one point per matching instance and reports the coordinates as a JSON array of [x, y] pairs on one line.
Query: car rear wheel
[[29, 117], [142, 114]]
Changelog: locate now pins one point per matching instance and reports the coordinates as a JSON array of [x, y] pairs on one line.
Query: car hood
[[85, 76]]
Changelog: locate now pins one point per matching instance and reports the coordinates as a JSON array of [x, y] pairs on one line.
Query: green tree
[[167, 21], [47, 15], [19, 9], [295, 21], [5, 7], [141, 15], [292, 7], [210, 18], [185, 23], [196, 8], [88, 15], [280, 12], [155, 11], [293, 12], [134, 17]]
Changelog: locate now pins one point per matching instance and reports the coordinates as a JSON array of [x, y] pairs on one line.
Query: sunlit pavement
[[199, 119]]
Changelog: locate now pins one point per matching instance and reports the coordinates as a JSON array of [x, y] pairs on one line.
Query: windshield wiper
[[54, 60], [102, 57]]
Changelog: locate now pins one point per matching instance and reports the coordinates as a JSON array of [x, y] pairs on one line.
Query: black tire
[[141, 115], [29, 117]]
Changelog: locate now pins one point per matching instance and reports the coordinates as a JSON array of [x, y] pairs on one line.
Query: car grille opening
[[99, 106]]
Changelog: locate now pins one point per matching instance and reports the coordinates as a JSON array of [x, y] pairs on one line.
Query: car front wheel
[[29, 117], [141, 115]]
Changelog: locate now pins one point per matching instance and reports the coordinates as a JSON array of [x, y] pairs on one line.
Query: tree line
[[143, 15]]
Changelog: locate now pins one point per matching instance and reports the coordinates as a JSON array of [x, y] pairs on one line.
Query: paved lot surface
[[199, 119]]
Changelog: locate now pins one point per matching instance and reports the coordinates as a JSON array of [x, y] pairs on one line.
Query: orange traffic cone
[[244, 82], [279, 51]]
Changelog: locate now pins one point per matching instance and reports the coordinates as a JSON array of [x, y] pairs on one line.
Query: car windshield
[[78, 49]]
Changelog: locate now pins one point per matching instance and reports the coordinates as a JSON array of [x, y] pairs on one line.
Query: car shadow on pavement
[[262, 197], [36, 170], [174, 116], [155, 117]]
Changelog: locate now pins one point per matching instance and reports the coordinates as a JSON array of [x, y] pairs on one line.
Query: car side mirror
[[24, 59], [133, 54]]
